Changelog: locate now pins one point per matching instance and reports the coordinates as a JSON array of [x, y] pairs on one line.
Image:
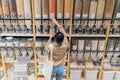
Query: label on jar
[[92, 16], [22, 45], [59, 15], [28, 23], [77, 15], [111, 49], [67, 15], [45, 16], [37, 15], [118, 15], [101, 48], [87, 48], [85, 15], [29, 45], [74, 47], [94, 47], [81, 47], [52, 15], [117, 49], [9, 44]]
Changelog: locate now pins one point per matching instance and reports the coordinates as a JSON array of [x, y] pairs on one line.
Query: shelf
[[88, 65], [45, 35], [87, 35], [84, 79], [113, 69], [64, 67], [19, 62], [78, 68], [42, 77], [114, 35], [42, 35], [29, 78], [71, 68], [29, 35]]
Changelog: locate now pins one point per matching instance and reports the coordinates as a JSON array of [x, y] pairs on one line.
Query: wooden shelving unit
[[114, 36], [70, 36], [18, 35], [86, 35]]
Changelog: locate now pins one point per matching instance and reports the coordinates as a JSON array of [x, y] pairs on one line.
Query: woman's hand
[[51, 35]]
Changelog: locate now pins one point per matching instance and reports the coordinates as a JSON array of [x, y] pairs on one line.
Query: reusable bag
[[48, 66]]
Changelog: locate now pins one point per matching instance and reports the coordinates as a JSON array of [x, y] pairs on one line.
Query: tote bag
[[48, 66]]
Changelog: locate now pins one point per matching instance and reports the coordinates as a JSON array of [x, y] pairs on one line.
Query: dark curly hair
[[59, 37]]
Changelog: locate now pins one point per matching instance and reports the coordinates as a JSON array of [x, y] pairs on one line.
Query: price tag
[[28, 23], [37, 45], [9, 44], [3, 44], [52, 15], [22, 45], [77, 15], [45, 16], [67, 15], [87, 48], [29, 45], [85, 15], [20, 15], [92, 16], [81, 47], [3, 52], [117, 49], [94, 48], [59, 15], [118, 15], [74, 47], [111, 49], [37, 15], [101, 48]]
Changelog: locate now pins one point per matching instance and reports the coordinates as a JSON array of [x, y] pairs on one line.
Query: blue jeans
[[58, 71]]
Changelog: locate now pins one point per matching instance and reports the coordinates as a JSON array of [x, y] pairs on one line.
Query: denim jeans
[[58, 71]]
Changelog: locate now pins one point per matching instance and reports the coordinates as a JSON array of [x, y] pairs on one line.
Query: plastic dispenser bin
[[117, 75], [75, 74], [108, 75], [10, 73], [21, 71], [91, 75]]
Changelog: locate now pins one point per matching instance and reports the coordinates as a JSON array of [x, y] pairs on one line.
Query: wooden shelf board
[[29, 78], [113, 69], [83, 68], [42, 77], [76, 68], [114, 36], [45, 35], [30, 35], [42, 35], [18, 61], [87, 35], [88, 65], [84, 79], [65, 60]]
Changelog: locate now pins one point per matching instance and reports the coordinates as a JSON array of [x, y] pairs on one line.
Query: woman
[[60, 46]]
